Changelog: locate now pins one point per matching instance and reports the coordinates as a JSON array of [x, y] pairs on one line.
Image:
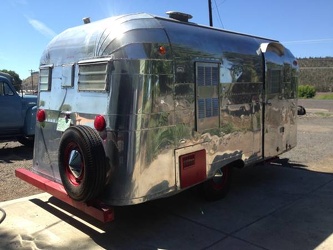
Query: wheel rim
[[74, 165], [220, 178]]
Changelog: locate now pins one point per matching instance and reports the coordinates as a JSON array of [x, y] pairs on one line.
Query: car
[[17, 113]]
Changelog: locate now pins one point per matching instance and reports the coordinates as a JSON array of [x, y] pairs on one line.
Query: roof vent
[[86, 20], [183, 17]]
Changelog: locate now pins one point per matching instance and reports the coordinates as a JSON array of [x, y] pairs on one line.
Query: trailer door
[[276, 106]]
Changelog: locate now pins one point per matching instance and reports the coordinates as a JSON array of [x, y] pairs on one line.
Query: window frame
[[48, 84], [207, 82], [5, 89], [94, 62]]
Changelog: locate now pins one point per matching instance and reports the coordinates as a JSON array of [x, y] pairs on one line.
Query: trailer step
[[96, 210]]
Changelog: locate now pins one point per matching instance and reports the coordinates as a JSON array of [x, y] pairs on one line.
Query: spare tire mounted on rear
[[82, 163]]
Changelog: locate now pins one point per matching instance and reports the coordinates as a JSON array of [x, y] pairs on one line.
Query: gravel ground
[[14, 155], [314, 137], [313, 152]]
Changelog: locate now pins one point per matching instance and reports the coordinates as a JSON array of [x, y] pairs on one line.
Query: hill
[[31, 82], [317, 72]]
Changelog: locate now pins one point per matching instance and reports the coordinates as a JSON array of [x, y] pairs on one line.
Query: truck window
[[5, 90], [2, 89], [93, 76]]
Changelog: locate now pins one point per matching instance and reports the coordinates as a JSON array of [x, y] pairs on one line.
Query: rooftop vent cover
[[183, 17], [86, 20]]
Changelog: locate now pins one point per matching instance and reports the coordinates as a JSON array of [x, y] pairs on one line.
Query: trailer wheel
[[218, 186], [82, 163]]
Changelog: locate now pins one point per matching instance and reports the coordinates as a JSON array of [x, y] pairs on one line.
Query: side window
[[274, 78], [2, 92], [93, 76], [207, 88], [5, 90], [45, 77], [207, 78]]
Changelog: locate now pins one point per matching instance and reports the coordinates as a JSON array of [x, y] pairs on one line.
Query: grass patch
[[322, 114], [328, 96]]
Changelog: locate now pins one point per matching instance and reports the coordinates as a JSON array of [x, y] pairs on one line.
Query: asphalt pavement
[[271, 206]]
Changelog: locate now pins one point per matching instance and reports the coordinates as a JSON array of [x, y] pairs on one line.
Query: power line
[[222, 2], [321, 40], [218, 13]]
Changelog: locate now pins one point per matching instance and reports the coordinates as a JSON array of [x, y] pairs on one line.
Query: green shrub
[[306, 91]]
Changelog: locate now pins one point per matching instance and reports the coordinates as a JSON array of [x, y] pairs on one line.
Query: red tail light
[[99, 123], [41, 115]]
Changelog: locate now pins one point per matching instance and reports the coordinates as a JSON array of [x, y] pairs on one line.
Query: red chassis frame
[[96, 210]]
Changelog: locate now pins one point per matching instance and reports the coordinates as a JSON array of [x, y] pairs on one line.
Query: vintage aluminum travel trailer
[[137, 107]]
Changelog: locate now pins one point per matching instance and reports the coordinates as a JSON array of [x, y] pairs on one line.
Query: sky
[[27, 26]]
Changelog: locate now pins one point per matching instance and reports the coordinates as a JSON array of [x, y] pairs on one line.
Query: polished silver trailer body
[[171, 93]]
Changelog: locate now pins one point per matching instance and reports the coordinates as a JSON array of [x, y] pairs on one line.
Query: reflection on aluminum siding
[[280, 115]]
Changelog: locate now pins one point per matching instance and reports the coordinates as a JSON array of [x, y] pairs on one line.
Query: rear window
[[93, 76], [45, 76]]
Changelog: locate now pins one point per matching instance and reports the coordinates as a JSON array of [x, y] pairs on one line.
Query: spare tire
[[82, 163]]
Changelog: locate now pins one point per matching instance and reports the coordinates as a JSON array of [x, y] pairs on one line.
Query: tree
[[17, 80]]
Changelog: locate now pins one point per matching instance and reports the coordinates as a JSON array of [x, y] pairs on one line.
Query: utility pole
[[210, 13], [32, 80]]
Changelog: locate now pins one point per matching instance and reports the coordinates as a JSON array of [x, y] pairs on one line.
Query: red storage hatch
[[192, 168]]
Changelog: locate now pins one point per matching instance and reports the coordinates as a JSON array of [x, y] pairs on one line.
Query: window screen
[[207, 95], [208, 107], [45, 76], [93, 76], [207, 78], [207, 75], [275, 81]]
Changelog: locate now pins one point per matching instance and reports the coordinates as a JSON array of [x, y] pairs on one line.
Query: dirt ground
[[313, 152], [14, 155], [315, 137]]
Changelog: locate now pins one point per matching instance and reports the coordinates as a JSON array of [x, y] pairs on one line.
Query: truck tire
[[217, 187], [82, 163]]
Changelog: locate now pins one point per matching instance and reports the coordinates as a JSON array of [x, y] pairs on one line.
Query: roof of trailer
[[88, 39], [101, 26]]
